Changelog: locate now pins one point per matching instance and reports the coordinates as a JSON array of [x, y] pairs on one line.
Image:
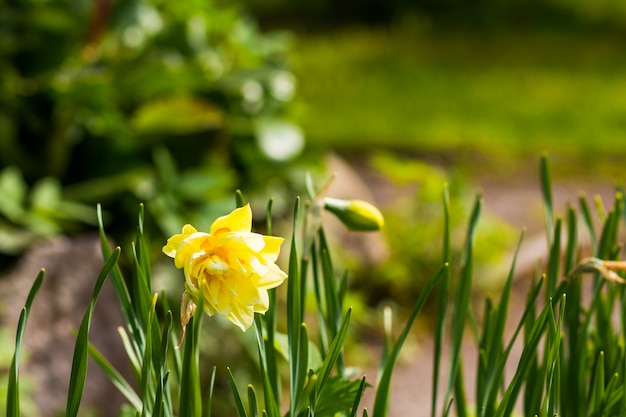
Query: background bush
[[119, 102]]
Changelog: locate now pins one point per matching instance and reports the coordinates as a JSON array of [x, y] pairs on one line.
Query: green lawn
[[503, 95]]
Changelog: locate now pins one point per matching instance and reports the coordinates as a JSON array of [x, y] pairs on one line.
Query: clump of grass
[[572, 363]]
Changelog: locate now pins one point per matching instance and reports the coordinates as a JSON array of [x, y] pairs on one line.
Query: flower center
[[216, 265]]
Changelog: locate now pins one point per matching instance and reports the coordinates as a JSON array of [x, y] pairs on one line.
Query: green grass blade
[[317, 288], [160, 365], [442, 303], [546, 189], [240, 201], [572, 319], [163, 372], [381, 400], [596, 394], [190, 403], [270, 359], [588, 220], [357, 397], [133, 356], [506, 406], [13, 390], [301, 366], [81, 349], [121, 290], [608, 235], [493, 384], [505, 298], [148, 389], [333, 313], [160, 402], [209, 402], [572, 241], [241, 409], [554, 258], [123, 386], [613, 393], [294, 316], [252, 402], [332, 295], [142, 282], [551, 360], [333, 352], [460, 400], [267, 351], [461, 303]]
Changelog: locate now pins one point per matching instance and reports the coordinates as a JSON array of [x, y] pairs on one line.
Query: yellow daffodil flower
[[230, 267]]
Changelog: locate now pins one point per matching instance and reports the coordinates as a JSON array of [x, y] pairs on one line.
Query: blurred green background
[[176, 104]]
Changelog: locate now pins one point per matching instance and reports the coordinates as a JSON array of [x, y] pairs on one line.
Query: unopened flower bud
[[357, 215]]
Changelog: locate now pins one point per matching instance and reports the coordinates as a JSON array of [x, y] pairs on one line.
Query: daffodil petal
[[239, 220], [172, 243]]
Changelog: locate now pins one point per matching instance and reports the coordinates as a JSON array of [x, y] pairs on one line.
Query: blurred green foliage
[[413, 229], [500, 98], [124, 101]]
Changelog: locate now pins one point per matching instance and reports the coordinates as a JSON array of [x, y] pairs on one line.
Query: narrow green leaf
[[121, 290], [323, 331], [586, 213], [551, 363], [462, 299], [294, 317], [460, 399], [162, 364], [381, 400], [265, 352], [241, 410], [596, 394], [239, 200], [115, 377], [13, 390], [209, 397], [505, 298], [190, 403], [301, 365], [146, 385], [442, 303], [142, 282], [507, 404], [333, 314], [334, 351], [357, 397], [79, 362], [332, 295], [141, 291], [546, 188], [613, 393], [160, 402], [494, 383], [252, 402], [554, 258], [571, 244], [608, 235], [133, 357]]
